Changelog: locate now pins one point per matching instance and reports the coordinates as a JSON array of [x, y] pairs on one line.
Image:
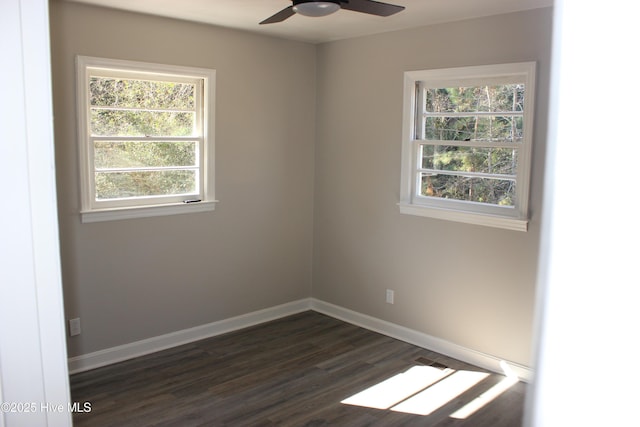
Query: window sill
[[465, 217], [145, 211]]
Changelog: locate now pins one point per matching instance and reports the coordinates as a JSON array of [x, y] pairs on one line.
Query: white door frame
[[34, 382]]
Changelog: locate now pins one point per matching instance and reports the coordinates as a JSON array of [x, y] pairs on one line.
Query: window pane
[[490, 191], [470, 159], [497, 98], [116, 185], [141, 123], [141, 154], [143, 94], [477, 128]]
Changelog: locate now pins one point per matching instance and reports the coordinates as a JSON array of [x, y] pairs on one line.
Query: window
[[145, 139], [467, 144]]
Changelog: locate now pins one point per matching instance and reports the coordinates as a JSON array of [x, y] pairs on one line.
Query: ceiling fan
[[327, 7]]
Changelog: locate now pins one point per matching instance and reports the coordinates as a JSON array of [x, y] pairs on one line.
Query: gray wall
[[308, 175], [470, 285], [134, 279]]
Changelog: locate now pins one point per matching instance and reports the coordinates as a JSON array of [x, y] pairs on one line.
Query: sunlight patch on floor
[[485, 398], [438, 395], [421, 390], [398, 388]]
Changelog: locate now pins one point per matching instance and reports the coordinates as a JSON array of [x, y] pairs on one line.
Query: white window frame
[[411, 202], [203, 200]]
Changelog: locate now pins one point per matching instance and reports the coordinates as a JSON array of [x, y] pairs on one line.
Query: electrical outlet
[[390, 296], [74, 327]]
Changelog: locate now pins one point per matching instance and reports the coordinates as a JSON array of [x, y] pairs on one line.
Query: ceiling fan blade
[[371, 7], [280, 16]]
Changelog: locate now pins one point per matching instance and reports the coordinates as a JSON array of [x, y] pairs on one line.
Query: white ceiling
[[246, 14]]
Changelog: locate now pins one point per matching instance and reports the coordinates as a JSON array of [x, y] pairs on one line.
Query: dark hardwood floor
[[293, 371]]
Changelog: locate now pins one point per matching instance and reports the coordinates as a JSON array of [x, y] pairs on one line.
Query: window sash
[[471, 143], [151, 110], [197, 134], [421, 114], [480, 175], [145, 200]]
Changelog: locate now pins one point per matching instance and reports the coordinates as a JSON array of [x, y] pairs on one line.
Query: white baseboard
[[120, 353], [421, 339]]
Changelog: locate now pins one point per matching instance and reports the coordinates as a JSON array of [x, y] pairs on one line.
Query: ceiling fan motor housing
[[316, 8]]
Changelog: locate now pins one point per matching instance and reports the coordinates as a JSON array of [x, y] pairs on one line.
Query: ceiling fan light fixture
[[316, 8]]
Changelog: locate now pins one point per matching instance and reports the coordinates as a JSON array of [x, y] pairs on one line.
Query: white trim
[[466, 217], [120, 353], [421, 339], [146, 211], [478, 75], [140, 348], [33, 369]]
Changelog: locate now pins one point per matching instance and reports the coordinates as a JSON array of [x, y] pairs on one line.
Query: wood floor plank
[[293, 371]]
